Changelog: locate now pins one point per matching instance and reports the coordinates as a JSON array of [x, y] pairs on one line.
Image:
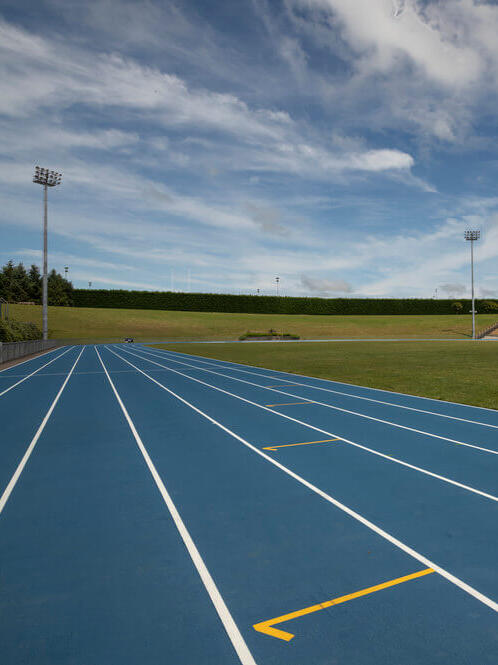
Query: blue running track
[[158, 507]]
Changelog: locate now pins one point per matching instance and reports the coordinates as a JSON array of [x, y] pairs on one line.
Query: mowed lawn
[[462, 372], [113, 324]]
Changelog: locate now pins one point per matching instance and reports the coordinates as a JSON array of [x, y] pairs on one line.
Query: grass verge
[[462, 372], [145, 324]]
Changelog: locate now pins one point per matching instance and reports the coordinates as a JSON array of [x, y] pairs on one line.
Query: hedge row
[[217, 302]]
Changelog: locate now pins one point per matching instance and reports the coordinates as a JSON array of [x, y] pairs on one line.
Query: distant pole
[[89, 285], [472, 236], [188, 280], [47, 179], [277, 281], [257, 291], [66, 270]]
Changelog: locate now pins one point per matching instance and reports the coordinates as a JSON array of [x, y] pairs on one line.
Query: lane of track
[[448, 524], [23, 409], [481, 414], [93, 569], [462, 426], [10, 381], [274, 547], [460, 463]]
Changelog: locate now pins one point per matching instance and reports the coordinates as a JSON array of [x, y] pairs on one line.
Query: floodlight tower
[[472, 235], [47, 179], [277, 281]]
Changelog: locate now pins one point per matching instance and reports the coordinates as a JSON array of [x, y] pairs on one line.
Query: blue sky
[[344, 145]]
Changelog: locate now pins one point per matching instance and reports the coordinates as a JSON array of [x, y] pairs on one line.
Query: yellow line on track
[[306, 443], [289, 403], [266, 626]]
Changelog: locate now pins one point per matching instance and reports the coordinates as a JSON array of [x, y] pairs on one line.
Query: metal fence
[[13, 350]]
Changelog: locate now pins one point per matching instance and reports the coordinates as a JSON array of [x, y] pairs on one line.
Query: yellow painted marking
[[266, 626], [306, 443], [289, 403]]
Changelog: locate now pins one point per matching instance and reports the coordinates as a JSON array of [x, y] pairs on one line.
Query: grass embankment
[[462, 372], [145, 324]]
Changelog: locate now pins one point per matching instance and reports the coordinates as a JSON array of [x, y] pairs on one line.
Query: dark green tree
[[35, 284], [17, 285]]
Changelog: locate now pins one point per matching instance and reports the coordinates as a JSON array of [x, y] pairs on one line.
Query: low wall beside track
[[14, 350]]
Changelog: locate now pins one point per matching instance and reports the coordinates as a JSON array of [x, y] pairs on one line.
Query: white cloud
[[381, 37], [44, 81], [453, 290], [325, 286]]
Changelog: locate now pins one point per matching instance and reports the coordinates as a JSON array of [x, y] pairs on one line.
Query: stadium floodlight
[[277, 281], [472, 236], [48, 179]]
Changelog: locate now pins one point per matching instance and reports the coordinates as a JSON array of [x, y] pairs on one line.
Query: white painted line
[[229, 624], [29, 360], [341, 383], [322, 431], [12, 482], [336, 408], [338, 392], [36, 370], [384, 534]]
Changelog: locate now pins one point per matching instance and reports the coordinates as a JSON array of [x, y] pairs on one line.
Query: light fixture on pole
[[66, 270], [472, 235], [277, 281], [48, 179]]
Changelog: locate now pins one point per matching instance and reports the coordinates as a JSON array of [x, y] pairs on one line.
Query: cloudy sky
[[343, 145]]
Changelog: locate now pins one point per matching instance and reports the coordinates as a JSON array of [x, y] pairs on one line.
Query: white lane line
[[331, 406], [29, 360], [12, 482], [36, 370], [340, 392], [384, 534], [322, 431], [340, 383], [229, 624]]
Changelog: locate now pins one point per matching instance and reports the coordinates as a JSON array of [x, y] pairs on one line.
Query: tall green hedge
[[218, 302]]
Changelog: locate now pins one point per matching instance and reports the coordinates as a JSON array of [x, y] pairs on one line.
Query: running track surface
[[157, 507]]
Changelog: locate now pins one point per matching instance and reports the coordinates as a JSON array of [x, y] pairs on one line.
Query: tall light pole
[[66, 270], [277, 280], [472, 235], [47, 179]]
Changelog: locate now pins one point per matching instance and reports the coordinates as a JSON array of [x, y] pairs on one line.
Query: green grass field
[[462, 372], [142, 324]]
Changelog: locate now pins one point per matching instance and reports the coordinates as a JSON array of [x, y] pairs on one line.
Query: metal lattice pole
[[45, 264], [472, 236], [47, 179]]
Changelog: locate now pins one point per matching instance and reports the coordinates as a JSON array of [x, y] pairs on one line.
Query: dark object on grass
[[270, 335], [129, 340]]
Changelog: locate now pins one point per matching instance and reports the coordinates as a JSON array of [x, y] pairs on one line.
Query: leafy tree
[[17, 285], [35, 284]]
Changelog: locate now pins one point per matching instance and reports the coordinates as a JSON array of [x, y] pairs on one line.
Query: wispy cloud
[[326, 141]]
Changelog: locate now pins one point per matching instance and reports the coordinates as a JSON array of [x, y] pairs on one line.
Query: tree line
[[20, 285]]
